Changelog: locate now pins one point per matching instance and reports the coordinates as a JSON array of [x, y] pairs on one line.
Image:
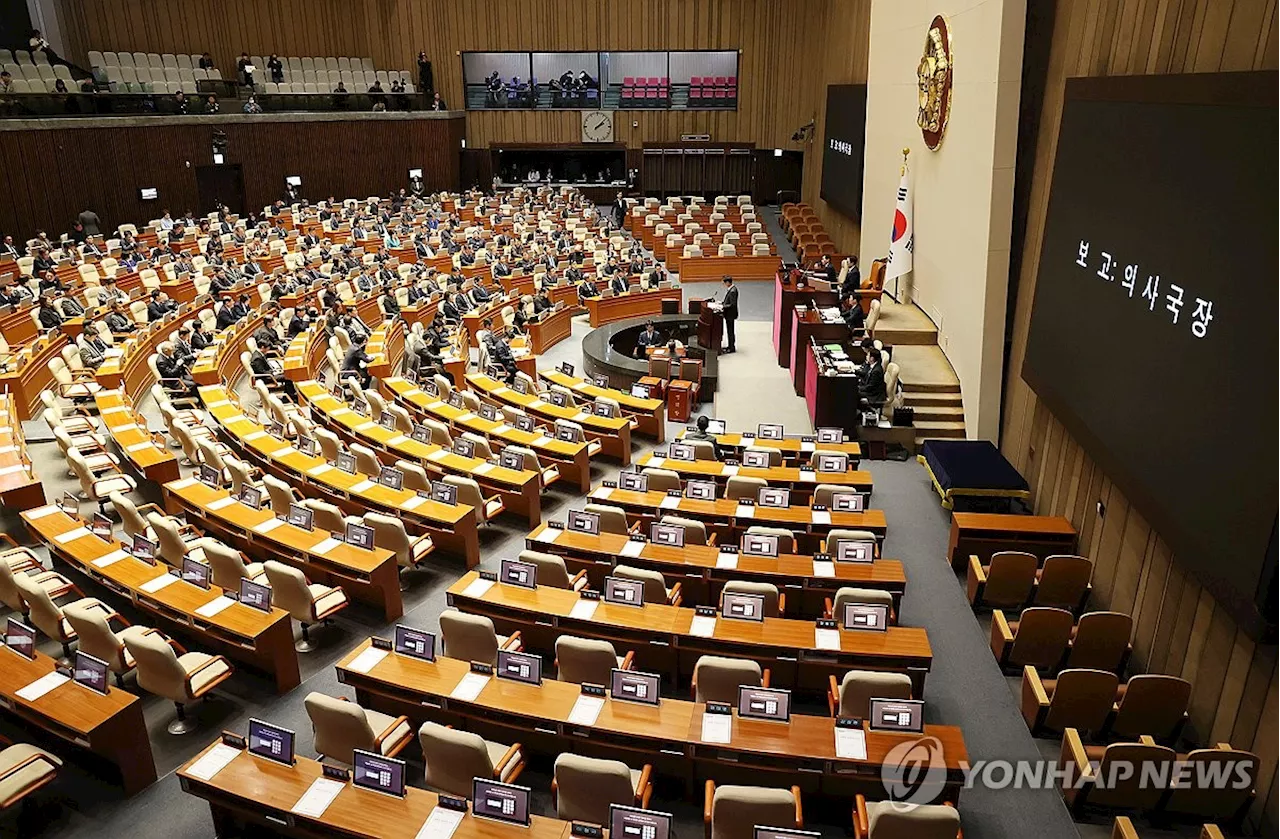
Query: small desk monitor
[[195, 572], [415, 643], [511, 460], [583, 522], [873, 617], [604, 409], [762, 832], [671, 535], [307, 445], [566, 368], [830, 435], [359, 536], [633, 481], [634, 686], [623, 591], [464, 447], [346, 462], [251, 497], [760, 544], [421, 433], [600, 381], [700, 490], [519, 667], [716, 426], [640, 391], [755, 460], [566, 433], [682, 451], [69, 504], [633, 823], [391, 477], [144, 549], [772, 497], [374, 772], [832, 463], [100, 526], [742, 606], [91, 672], [503, 802], [209, 476], [769, 431], [300, 516], [848, 550], [905, 715], [848, 502], [557, 398], [255, 594], [387, 420], [271, 741], [488, 412], [517, 573], [20, 638], [524, 423], [520, 386], [772, 704], [444, 493]]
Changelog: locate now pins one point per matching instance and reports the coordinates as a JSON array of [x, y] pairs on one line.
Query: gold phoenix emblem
[[933, 76]]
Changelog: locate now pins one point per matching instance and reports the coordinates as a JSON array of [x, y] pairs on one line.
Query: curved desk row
[[800, 481], [371, 576], [667, 735], [28, 374], [664, 638], [792, 448], [129, 371], [452, 527], [551, 328], [702, 570], [631, 304], [650, 414], [20, 488], [261, 641]]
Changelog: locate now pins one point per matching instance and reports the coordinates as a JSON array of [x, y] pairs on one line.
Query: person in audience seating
[[180, 103], [389, 303], [206, 61], [377, 95], [13, 294], [8, 248], [251, 106], [159, 306], [500, 352], [93, 350], [169, 366], [182, 348], [116, 320], [618, 283], [211, 104], [71, 307], [243, 65], [341, 98], [266, 336], [437, 104], [587, 289], [276, 68], [48, 312], [700, 433], [357, 361]]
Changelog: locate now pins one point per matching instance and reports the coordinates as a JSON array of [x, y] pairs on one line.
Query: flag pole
[[901, 172]]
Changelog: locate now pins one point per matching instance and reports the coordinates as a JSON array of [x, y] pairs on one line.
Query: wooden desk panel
[[148, 454], [20, 488], [649, 414], [661, 636], [110, 727], [262, 641], [698, 569], [371, 576], [711, 268], [549, 330], [262, 792], [28, 374], [792, 448], [983, 534], [604, 310], [784, 476]]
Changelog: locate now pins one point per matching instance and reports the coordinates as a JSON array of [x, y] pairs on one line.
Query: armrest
[[976, 582], [628, 660], [1035, 702], [795, 792], [13, 770], [1123, 829], [579, 581], [1148, 740], [217, 659], [514, 642], [1075, 762], [644, 786], [1001, 636], [764, 678], [674, 597], [828, 607], [833, 694], [712, 540], [706, 806], [1209, 831], [512, 756], [322, 595], [396, 723], [782, 603], [861, 827]]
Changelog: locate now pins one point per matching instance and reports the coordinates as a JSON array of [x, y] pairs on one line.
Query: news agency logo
[[841, 146], [914, 772]]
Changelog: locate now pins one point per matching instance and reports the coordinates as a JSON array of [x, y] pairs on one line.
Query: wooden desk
[[805, 325], [792, 448], [452, 527], [612, 435], [832, 401], [20, 489], [129, 371], [708, 269], [261, 641], [702, 573], [146, 453], [983, 534], [552, 328], [667, 735], [570, 459], [370, 576], [663, 642], [110, 727], [649, 414], [28, 374], [520, 490], [256, 791], [786, 295], [632, 304], [800, 482]]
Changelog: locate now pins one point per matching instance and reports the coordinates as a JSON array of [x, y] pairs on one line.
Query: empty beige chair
[[1063, 582], [589, 660], [702, 449], [469, 493], [440, 435], [1152, 704], [389, 533], [1101, 641], [774, 603], [280, 493], [548, 474], [340, 727], [229, 566], [732, 812], [774, 455], [744, 486], [854, 594], [97, 489], [831, 544], [786, 539], [585, 787], [47, 616], [1038, 638], [900, 820], [328, 442], [308, 603], [655, 586], [1122, 787], [717, 679], [172, 548], [455, 758], [661, 480], [1005, 583], [695, 532], [366, 461], [328, 517], [552, 571], [179, 679], [96, 637], [473, 638], [242, 475], [852, 696], [823, 494], [23, 770], [1077, 698], [481, 445], [415, 477], [612, 519], [53, 583]]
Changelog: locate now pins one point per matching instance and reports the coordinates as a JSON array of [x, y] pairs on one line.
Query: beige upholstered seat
[[661, 480], [717, 679], [852, 697], [229, 566], [585, 787], [179, 679], [786, 539], [23, 770], [590, 660], [53, 583], [341, 727], [552, 571], [389, 533], [97, 638], [900, 820], [612, 519], [469, 493], [774, 455], [854, 594], [280, 493], [744, 486], [47, 616], [655, 586], [732, 812], [366, 461], [473, 638], [306, 602], [327, 516], [454, 758], [695, 532], [774, 603], [842, 534]]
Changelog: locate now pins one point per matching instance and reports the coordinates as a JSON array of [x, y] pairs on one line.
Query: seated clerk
[[357, 361], [302, 320], [852, 313], [261, 366], [649, 337], [701, 433], [169, 366], [826, 270], [266, 336], [117, 322], [871, 387], [618, 283]]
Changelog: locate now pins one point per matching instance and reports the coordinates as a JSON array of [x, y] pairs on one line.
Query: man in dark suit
[[357, 361], [729, 308], [853, 315], [117, 322], [619, 209], [48, 313], [389, 303], [587, 289], [266, 336], [871, 388], [159, 306], [648, 338], [93, 350], [71, 307], [618, 284], [182, 348], [226, 314], [169, 366], [852, 279], [260, 365], [826, 270]]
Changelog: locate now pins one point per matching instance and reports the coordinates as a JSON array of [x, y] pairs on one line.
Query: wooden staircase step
[[939, 413], [917, 400], [945, 429], [930, 387]]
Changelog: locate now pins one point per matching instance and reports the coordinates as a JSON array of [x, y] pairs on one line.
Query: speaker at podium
[[710, 323]]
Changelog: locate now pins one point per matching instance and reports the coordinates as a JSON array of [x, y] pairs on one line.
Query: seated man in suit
[[262, 366], [226, 313], [499, 352], [618, 283], [169, 366], [357, 361], [117, 321], [70, 307], [242, 307], [48, 312], [871, 387], [281, 287], [159, 306], [541, 302], [852, 280], [267, 338], [649, 337], [389, 303], [587, 289], [852, 312], [182, 348], [825, 270]]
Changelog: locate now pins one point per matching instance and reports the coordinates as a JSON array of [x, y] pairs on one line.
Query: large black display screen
[[1153, 334], [843, 147]]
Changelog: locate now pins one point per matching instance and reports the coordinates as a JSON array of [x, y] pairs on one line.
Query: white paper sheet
[[318, 797], [477, 588], [268, 525], [548, 534], [219, 503], [137, 447], [367, 660], [317, 471], [826, 639], [744, 511], [441, 824], [467, 417], [218, 604], [669, 502], [413, 503], [109, 559], [397, 440], [256, 435], [824, 569], [808, 446], [584, 610], [809, 477], [586, 710], [702, 626], [656, 462], [41, 512], [632, 549], [851, 743], [42, 685], [501, 428], [717, 728], [541, 440], [821, 517], [729, 470], [362, 486], [183, 484], [366, 426], [71, 535], [469, 687], [727, 562], [324, 546], [438, 454], [163, 581], [213, 762], [483, 469]]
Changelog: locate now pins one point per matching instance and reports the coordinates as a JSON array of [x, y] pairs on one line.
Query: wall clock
[[597, 127], [933, 75]]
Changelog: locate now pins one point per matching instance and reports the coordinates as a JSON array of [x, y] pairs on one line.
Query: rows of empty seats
[[805, 231], [322, 75], [141, 72]]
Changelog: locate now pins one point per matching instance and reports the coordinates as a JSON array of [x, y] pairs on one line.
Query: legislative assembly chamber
[[639, 419]]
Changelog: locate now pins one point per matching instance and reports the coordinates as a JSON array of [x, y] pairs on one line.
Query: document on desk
[[744, 511], [467, 417], [284, 452], [41, 512], [362, 486], [669, 502], [317, 471], [548, 534], [137, 447], [213, 762], [500, 428], [438, 454], [71, 535], [808, 476], [717, 728], [702, 626], [324, 546], [215, 606], [367, 660], [397, 440], [656, 462], [268, 525], [727, 561], [413, 503], [366, 426], [441, 824], [482, 469], [109, 559], [821, 517], [826, 639], [477, 588], [537, 403], [824, 569], [729, 471], [183, 483], [318, 797], [41, 686], [586, 710], [163, 581], [584, 610], [808, 446], [602, 492], [469, 687], [255, 435], [851, 743], [632, 548], [219, 503], [541, 440]]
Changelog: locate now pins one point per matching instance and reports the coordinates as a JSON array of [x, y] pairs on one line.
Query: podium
[[681, 396], [710, 325]]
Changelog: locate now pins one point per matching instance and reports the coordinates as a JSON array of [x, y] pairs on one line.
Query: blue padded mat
[[971, 464]]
